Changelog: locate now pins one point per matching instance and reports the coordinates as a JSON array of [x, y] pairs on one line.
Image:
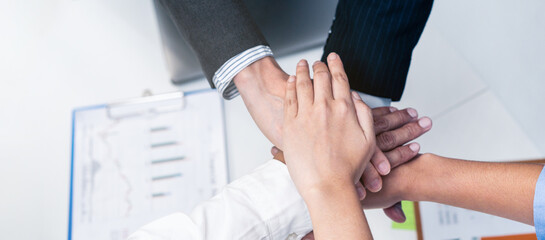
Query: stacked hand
[[393, 128], [318, 116], [326, 141], [263, 84]]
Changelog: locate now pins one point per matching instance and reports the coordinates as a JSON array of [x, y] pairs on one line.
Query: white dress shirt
[[261, 205]]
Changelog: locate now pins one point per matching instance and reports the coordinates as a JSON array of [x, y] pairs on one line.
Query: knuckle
[[412, 131], [386, 141], [321, 112], [321, 73], [394, 158], [342, 107], [304, 83], [381, 124], [321, 104], [340, 76], [402, 153], [399, 117], [291, 101]]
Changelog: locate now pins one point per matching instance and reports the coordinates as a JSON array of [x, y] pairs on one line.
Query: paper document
[[137, 161], [441, 222]]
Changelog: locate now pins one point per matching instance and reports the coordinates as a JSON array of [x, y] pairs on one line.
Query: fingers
[[364, 117], [274, 150], [380, 162], [360, 190], [340, 85], [389, 140], [394, 120], [371, 179], [309, 236], [305, 93], [322, 82], [381, 111], [395, 213], [402, 154], [290, 101]]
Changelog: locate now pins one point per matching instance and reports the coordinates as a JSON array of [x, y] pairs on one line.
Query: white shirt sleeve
[[261, 205], [223, 77]]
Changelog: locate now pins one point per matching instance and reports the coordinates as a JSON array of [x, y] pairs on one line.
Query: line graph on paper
[[131, 170]]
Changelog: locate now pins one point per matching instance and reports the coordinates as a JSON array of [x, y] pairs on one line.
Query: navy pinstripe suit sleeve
[[375, 39]]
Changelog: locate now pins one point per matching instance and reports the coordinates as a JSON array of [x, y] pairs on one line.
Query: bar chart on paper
[[141, 160]]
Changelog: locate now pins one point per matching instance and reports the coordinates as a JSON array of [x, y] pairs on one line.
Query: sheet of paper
[[441, 222], [135, 163]]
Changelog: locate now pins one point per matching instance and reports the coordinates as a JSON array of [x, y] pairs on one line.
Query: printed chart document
[[136, 161]]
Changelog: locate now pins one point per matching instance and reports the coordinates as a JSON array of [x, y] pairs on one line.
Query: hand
[[397, 186], [393, 128], [328, 141], [328, 134], [262, 86]]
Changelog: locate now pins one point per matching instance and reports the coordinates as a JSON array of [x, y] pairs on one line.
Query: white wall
[[504, 42], [59, 54]]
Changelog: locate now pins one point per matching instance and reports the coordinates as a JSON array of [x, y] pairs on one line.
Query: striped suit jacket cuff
[[223, 78]]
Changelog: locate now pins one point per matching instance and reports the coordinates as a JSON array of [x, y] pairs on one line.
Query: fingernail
[[361, 192], [291, 79], [424, 122], [274, 150], [315, 63], [412, 112], [302, 63], [414, 147], [384, 168], [393, 109], [356, 95], [332, 56], [375, 185]]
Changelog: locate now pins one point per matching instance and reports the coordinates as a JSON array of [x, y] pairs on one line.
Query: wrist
[[328, 189], [264, 75], [339, 205], [424, 173]]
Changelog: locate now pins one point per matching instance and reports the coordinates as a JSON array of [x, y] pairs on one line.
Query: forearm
[[339, 205], [503, 189], [262, 86]]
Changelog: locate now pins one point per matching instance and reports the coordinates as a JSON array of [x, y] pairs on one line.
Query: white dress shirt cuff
[[223, 78]]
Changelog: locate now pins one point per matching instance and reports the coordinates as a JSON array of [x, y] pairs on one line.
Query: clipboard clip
[[148, 104]]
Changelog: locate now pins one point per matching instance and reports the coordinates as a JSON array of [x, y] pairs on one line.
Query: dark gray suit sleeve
[[217, 30]]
